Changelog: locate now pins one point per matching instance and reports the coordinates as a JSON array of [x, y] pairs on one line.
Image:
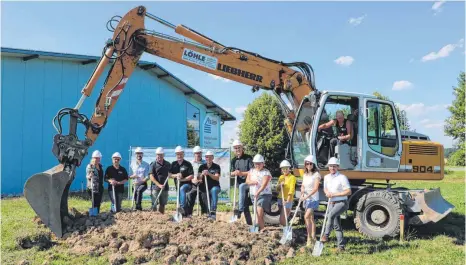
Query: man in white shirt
[[337, 189], [139, 173]]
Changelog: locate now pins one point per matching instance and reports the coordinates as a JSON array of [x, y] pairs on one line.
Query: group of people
[[193, 179], [254, 179], [199, 180]]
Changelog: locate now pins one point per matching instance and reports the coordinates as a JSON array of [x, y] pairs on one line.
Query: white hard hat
[[285, 163], [333, 161], [309, 158], [209, 153], [178, 149], [258, 159], [197, 149], [96, 153], [116, 154], [159, 151], [236, 143], [138, 150]]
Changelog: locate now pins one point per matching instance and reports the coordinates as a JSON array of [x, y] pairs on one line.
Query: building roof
[[155, 68]]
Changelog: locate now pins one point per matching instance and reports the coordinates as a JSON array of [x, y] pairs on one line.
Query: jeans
[[214, 198], [183, 190], [244, 202], [138, 192], [333, 218]]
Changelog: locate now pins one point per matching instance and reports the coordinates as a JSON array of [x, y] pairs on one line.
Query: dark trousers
[[119, 198], [97, 199], [138, 195], [333, 144], [191, 201]]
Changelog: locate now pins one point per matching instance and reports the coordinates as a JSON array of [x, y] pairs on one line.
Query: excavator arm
[[47, 192]]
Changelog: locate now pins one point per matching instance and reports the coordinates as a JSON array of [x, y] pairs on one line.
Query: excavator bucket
[[47, 193], [434, 207]]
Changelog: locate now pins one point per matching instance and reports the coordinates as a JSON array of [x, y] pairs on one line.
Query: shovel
[[197, 198], [92, 210], [208, 196], [134, 195], [288, 231], [255, 227], [177, 216], [286, 228], [234, 218], [160, 193], [113, 207], [319, 246]]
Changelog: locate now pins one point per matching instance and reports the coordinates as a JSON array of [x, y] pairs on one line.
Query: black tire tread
[[387, 196]]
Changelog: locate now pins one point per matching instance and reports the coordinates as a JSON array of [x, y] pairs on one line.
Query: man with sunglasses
[[240, 166], [116, 176]]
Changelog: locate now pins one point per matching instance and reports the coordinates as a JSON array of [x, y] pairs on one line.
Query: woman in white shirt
[[310, 197], [258, 180], [337, 189]]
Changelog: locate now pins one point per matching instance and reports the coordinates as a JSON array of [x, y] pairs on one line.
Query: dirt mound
[[143, 236], [42, 241]]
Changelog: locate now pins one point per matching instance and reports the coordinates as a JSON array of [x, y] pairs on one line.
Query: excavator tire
[[377, 214]]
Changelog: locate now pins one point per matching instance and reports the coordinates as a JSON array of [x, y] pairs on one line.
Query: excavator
[[375, 151]]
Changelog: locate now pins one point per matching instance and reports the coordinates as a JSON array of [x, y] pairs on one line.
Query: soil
[[141, 236]]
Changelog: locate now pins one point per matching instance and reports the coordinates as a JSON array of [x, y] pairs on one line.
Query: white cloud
[[434, 125], [402, 85], [240, 110], [445, 51], [344, 60], [436, 7], [230, 131], [356, 20], [424, 121], [419, 109], [219, 78]]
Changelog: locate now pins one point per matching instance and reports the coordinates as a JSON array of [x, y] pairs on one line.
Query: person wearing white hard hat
[[258, 180], [116, 176], [193, 194], [337, 189], [182, 171], [95, 179], [288, 181], [310, 197], [139, 173], [240, 166], [159, 173], [210, 171]]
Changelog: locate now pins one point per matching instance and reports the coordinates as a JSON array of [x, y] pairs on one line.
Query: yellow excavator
[[375, 150]]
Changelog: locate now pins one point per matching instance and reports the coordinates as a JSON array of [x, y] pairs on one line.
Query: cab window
[[382, 136]]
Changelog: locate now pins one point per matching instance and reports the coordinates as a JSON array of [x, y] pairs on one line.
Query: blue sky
[[411, 52]]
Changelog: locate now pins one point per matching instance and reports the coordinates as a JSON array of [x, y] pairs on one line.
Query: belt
[[334, 202]]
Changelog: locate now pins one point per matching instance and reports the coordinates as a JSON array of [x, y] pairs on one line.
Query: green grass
[[441, 243]]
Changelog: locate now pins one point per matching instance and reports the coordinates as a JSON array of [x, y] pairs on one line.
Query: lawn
[[441, 243]]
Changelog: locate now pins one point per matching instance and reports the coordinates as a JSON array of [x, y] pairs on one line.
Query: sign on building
[[211, 131]]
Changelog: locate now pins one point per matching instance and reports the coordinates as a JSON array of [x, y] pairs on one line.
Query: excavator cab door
[[381, 137]]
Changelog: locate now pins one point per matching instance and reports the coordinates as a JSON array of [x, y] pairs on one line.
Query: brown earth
[[142, 236]]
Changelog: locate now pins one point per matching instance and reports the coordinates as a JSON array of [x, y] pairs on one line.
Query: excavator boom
[[47, 192]]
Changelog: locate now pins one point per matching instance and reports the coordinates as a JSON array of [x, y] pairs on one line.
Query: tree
[[454, 125], [387, 118], [262, 131]]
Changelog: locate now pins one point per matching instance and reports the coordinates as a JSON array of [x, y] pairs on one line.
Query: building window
[[193, 123]]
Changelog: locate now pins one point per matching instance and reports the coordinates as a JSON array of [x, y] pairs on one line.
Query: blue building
[[155, 109]]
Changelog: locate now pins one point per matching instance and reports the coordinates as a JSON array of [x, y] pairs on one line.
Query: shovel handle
[[325, 219], [283, 204]]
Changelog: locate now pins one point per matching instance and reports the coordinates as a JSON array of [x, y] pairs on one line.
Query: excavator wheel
[[377, 214]]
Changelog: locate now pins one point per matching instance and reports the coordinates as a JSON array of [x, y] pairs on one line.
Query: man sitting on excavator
[[344, 131]]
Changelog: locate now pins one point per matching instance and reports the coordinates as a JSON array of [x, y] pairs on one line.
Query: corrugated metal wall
[[150, 112]]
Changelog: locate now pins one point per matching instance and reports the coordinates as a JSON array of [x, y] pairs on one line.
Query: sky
[[411, 52]]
